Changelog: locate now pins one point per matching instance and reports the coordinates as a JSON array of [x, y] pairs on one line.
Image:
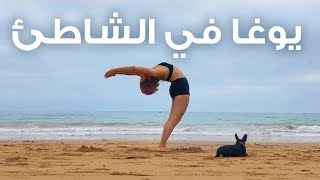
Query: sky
[[224, 77]]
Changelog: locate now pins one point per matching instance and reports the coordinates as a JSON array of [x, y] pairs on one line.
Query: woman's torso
[[164, 72]]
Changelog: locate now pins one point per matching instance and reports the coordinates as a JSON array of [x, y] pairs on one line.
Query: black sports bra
[[170, 66]]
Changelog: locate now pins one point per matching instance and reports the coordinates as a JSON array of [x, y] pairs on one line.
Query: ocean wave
[[209, 125], [297, 128]]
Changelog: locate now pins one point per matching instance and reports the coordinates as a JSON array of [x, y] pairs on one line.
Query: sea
[[195, 126]]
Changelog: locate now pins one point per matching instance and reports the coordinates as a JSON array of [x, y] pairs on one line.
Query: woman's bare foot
[[163, 149]]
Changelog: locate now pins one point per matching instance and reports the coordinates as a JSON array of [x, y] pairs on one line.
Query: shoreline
[[125, 159], [158, 140]]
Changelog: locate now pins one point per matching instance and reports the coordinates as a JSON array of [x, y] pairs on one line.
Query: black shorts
[[179, 87]]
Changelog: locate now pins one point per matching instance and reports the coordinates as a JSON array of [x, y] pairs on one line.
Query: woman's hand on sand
[[110, 73]]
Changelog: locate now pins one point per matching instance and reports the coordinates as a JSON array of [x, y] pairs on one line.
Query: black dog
[[237, 150]]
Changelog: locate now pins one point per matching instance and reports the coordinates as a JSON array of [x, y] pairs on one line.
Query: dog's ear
[[237, 137], [244, 138]]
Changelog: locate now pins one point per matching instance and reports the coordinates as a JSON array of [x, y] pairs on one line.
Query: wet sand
[[141, 160]]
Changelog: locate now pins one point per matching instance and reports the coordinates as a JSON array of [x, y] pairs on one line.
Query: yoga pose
[[149, 82]]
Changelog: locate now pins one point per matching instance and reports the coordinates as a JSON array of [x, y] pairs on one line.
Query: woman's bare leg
[[178, 108]]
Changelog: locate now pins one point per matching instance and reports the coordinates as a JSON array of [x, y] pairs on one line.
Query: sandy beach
[[141, 160]]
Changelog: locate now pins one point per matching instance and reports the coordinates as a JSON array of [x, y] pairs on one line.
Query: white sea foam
[[194, 126]]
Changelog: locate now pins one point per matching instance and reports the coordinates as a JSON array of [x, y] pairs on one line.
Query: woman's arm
[[132, 70]]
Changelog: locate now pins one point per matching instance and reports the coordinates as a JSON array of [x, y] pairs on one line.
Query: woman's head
[[148, 85]]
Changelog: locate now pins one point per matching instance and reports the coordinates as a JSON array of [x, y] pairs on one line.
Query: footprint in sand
[[188, 149], [89, 149], [16, 161]]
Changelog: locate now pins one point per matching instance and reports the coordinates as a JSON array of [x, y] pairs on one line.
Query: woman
[[149, 82]]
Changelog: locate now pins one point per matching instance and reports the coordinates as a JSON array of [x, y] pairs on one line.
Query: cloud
[[311, 77], [235, 73], [5, 48], [235, 90]]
